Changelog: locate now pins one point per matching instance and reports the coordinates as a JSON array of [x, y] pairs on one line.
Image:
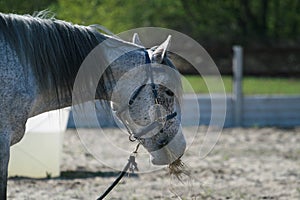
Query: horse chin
[[170, 152]]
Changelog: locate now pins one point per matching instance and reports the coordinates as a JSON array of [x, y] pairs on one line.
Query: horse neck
[[117, 53]]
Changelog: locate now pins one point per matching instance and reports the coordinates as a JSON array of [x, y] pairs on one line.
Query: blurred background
[[267, 30]]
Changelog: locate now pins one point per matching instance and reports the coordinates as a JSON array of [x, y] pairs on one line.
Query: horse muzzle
[[170, 152]]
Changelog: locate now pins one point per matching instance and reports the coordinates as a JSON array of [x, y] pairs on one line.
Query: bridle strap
[[135, 94]]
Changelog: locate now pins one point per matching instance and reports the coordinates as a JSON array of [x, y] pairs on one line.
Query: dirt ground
[[250, 163]]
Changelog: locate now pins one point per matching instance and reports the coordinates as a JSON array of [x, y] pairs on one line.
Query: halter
[[161, 119]]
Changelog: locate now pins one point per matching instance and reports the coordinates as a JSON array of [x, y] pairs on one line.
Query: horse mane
[[51, 47]]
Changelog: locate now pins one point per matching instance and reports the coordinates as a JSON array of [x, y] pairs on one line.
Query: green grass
[[251, 85]]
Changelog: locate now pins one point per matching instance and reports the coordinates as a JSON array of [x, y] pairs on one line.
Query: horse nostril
[[161, 131]]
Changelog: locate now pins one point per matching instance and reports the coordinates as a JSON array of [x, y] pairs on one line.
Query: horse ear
[[160, 52], [136, 39]]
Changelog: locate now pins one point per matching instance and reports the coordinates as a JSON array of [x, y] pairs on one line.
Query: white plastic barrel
[[38, 154]]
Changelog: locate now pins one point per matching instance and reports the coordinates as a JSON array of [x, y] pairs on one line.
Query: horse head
[[150, 109]]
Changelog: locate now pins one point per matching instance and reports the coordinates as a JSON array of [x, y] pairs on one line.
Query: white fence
[[280, 111], [283, 111]]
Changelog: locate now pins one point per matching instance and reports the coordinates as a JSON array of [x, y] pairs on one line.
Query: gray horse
[[39, 60]]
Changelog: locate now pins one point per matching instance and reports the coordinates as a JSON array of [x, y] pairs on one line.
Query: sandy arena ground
[[252, 163]]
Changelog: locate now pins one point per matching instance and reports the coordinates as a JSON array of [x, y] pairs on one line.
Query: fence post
[[237, 85]]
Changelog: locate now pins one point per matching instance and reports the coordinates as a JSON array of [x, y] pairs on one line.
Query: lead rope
[[131, 165]]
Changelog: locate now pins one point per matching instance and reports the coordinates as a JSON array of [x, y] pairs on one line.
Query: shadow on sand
[[78, 175]]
